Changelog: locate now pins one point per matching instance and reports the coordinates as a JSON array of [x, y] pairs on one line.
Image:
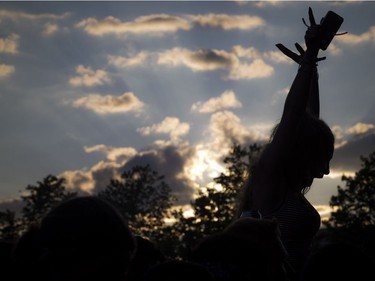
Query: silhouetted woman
[[300, 150]]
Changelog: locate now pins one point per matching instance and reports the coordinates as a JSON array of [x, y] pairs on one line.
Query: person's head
[[83, 238], [311, 153]]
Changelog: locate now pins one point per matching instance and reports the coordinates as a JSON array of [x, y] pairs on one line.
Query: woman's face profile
[[320, 165]]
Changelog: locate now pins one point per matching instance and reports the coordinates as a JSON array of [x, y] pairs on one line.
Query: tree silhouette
[[143, 198], [354, 205], [40, 198], [10, 226]]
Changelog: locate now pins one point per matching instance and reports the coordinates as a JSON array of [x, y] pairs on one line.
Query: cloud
[[168, 160], [225, 128], [50, 29], [253, 53], [352, 142], [15, 16], [279, 95], [9, 44], [277, 57], [228, 22], [265, 4], [342, 135], [78, 180], [88, 77], [157, 24], [112, 153], [200, 60], [225, 100], [93, 180], [186, 167], [334, 50], [96, 178], [6, 70], [360, 128], [242, 52], [124, 62], [354, 39], [170, 125], [160, 24], [108, 104], [241, 63], [212, 59], [257, 69], [346, 157]]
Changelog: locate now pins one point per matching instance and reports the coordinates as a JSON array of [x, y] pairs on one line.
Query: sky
[[89, 89]]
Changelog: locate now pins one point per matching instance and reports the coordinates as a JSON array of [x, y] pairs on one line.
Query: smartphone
[[330, 24]]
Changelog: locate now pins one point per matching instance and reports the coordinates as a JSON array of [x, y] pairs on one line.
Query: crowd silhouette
[[87, 239]]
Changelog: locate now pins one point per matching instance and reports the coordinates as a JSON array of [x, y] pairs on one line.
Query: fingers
[[311, 17], [288, 52], [297, 58], [299, 48]]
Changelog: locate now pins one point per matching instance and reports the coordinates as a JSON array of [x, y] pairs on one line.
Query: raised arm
[[303, 97], [313, 103], [267, 192]]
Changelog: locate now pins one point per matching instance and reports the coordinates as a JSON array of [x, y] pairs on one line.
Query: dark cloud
[[103, 176], [213, 57], [347, 157], [169, 162]]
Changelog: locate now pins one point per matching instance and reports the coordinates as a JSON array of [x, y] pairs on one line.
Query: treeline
[[146, 200]]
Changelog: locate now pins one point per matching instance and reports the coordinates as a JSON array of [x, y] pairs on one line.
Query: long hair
[[313, 139]]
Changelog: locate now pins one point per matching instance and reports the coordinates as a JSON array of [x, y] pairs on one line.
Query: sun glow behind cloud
[[204, 164]]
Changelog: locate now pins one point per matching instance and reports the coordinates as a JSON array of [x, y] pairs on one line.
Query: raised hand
[[295, 57], [312, 40], [312, 32]]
